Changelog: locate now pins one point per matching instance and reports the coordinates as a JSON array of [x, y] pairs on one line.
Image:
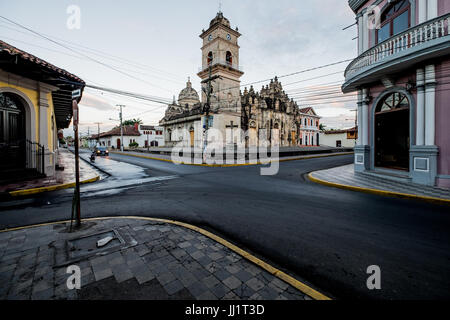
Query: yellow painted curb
[[272, 270], [377, 191], [234, 165], [50, 188]]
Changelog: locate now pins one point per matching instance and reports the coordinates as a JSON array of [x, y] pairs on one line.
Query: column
[[365, 118], [420, 114], [424, 153], [430, 101], [360, 35], [43, 129], [432, 9], [365, 33], [362, 150], [359, 140], [422, 11]]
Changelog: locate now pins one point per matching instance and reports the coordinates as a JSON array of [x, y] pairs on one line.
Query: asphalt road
[[325, 236]]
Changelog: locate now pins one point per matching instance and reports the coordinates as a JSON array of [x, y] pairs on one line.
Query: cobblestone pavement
[[145, 260], [346, 175]]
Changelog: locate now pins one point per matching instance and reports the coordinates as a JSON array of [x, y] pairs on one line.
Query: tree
[[322, 127], [132, 122]]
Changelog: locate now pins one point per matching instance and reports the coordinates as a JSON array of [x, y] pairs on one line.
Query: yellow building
[[35, 101]]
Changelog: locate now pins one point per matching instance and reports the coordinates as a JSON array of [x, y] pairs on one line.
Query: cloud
[[95, 102]]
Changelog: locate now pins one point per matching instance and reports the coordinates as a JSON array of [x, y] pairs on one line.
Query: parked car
[[102, 151]]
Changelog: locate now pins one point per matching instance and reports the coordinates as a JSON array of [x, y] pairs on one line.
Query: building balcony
[[399, 53], [222, 63]]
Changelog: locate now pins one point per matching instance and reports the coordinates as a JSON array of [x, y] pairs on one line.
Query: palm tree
[[132, 122]]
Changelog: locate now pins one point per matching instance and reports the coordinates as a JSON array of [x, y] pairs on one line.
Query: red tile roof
[[13, 51], [307, 110], [127, 131]]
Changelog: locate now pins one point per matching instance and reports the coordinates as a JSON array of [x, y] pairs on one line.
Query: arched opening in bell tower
[[210, 58], [229, 58]]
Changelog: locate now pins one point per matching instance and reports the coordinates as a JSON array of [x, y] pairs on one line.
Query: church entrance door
[[294, 138], [392, 132], [192, 138]]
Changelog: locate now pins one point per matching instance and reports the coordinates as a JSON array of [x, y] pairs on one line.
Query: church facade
[[239, 117]]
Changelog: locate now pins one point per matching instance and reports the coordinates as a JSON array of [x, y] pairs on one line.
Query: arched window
[[393, 102], [229, 58], [395, 19], [210, 58]]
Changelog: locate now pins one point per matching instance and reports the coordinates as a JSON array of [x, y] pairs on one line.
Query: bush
[[134, 145]]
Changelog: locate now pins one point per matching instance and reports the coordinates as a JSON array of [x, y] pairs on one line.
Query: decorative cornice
[[356, 4]]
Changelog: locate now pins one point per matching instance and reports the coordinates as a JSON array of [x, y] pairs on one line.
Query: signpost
[[76, 198]]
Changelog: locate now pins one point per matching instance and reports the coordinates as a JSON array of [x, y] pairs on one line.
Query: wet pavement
[[66, 160], [121, 176]]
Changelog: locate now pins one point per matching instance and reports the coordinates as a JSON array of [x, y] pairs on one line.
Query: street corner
[[345, 177], [141, 259], [63, 178]]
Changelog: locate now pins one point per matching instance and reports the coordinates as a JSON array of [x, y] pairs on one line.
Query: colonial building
[[269, 112], [402, 79], [345, 138], [144, 136], [113, 138], [151, 136], [35, 101]]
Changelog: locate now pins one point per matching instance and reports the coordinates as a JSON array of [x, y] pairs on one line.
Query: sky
[[151, 47]]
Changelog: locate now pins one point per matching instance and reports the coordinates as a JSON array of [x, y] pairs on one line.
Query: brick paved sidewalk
[[146, 260], [345, 175]]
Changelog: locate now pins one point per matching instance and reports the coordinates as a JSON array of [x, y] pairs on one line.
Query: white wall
[[331, 139]]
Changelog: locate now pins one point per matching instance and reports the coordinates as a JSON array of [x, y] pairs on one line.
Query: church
[[268, 113]]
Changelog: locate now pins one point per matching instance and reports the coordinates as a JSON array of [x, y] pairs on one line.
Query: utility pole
[[121, 126], [76, 197], [207, 107], [98, 132]]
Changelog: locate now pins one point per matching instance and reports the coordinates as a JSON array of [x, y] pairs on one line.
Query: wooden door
[[192, 138]]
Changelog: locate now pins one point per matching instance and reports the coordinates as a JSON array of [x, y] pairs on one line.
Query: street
[[324, 236]]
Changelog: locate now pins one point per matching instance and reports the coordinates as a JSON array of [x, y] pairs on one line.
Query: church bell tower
[[220, 57]]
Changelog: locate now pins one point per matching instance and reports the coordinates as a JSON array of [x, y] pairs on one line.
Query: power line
[[82, 54], [103, 54]]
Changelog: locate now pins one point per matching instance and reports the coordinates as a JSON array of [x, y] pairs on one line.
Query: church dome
[[220, 19], [188, 95]]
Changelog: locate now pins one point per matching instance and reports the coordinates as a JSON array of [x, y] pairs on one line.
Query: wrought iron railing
[[411, 38], [35, 156]]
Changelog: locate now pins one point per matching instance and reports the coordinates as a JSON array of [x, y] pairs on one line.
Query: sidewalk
[[149, 260], [345, 177], [66, 159]]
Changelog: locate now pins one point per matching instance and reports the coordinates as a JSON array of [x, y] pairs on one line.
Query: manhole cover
[[81, 247]]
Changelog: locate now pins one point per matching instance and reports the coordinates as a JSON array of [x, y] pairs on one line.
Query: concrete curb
[[304, 288], [234, 165], [377, 191], [27, 192]]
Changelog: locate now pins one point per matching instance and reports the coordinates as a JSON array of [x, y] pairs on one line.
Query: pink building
[[402, 78]]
